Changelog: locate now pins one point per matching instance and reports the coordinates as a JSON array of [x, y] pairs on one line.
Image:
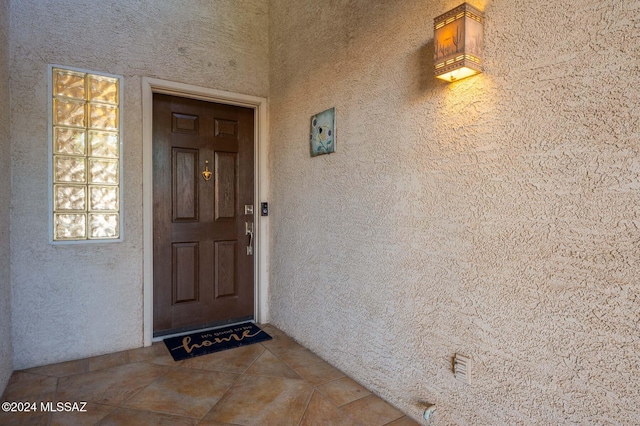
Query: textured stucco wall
[[6, 352], [81, 300], [498, 217]]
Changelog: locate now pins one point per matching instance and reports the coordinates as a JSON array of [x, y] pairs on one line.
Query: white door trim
[[261, 258]]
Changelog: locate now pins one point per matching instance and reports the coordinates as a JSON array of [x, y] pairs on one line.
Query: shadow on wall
[[422, 62]]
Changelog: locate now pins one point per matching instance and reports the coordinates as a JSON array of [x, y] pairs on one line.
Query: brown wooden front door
[[203, 273]]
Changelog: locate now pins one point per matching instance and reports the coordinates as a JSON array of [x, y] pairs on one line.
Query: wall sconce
[[457, 43]]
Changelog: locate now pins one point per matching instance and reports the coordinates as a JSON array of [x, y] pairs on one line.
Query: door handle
[[248, 230]]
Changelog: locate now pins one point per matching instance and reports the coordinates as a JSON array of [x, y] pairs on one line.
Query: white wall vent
[[462, 368]]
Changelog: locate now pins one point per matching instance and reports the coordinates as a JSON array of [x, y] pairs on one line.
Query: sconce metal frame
[[458, 43]]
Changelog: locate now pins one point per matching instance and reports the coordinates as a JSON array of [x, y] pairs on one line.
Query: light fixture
[[457, 43]]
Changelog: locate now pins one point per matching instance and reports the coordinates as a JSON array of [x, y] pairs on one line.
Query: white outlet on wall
[[462, 368]]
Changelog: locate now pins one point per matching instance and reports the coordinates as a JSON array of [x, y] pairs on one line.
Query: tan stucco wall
[[6, 350], [76, 301], [498, 217]]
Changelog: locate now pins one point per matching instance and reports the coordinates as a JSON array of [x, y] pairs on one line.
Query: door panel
[[185, 184], [225, 174], [185, 278], [225, 262], [202, 273]]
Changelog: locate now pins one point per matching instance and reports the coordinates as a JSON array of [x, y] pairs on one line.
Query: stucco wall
[[81, 300], [6, 351], [497, 217]]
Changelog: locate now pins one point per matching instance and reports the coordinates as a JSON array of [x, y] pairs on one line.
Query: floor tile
[[62, 369], [123, 416], [297, 359], [108, 361], [32, 388], [321, 412], [212, 423], [94, 413], [271, 330], [149, 352], [282, 343], [372, 411], [230, 361], [319, 373], [403, 421], [110, 386], [183, 392], [35, 419], [258, 400], [276, 382], [23, 385], [34, 416], [270, 365], [343, 391], [164, 359]]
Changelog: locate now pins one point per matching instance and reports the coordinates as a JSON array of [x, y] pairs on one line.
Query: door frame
[[261, 188]]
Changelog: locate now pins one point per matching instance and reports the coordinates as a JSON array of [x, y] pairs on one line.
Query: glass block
[[69, 227], [104, 144], [103, 171], [69, 141], [103, 89], [103, 225], [103, 117], [69, 113], [69, 84], [103, 197], [69, 169], [69, 197]]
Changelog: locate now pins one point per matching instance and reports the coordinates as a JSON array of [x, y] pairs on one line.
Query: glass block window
[[85, 155]]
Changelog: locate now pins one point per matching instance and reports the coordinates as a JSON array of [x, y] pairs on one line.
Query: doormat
[[220, 339]]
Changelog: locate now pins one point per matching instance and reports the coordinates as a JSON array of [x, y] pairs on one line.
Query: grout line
[[346, 403], [306, 407], [224, 395], [256, 359], [164, 367]]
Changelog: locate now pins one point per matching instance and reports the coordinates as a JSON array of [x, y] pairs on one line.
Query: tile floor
[[277, 382]]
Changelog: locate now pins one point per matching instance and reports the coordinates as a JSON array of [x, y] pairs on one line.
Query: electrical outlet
[[462, 368]]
